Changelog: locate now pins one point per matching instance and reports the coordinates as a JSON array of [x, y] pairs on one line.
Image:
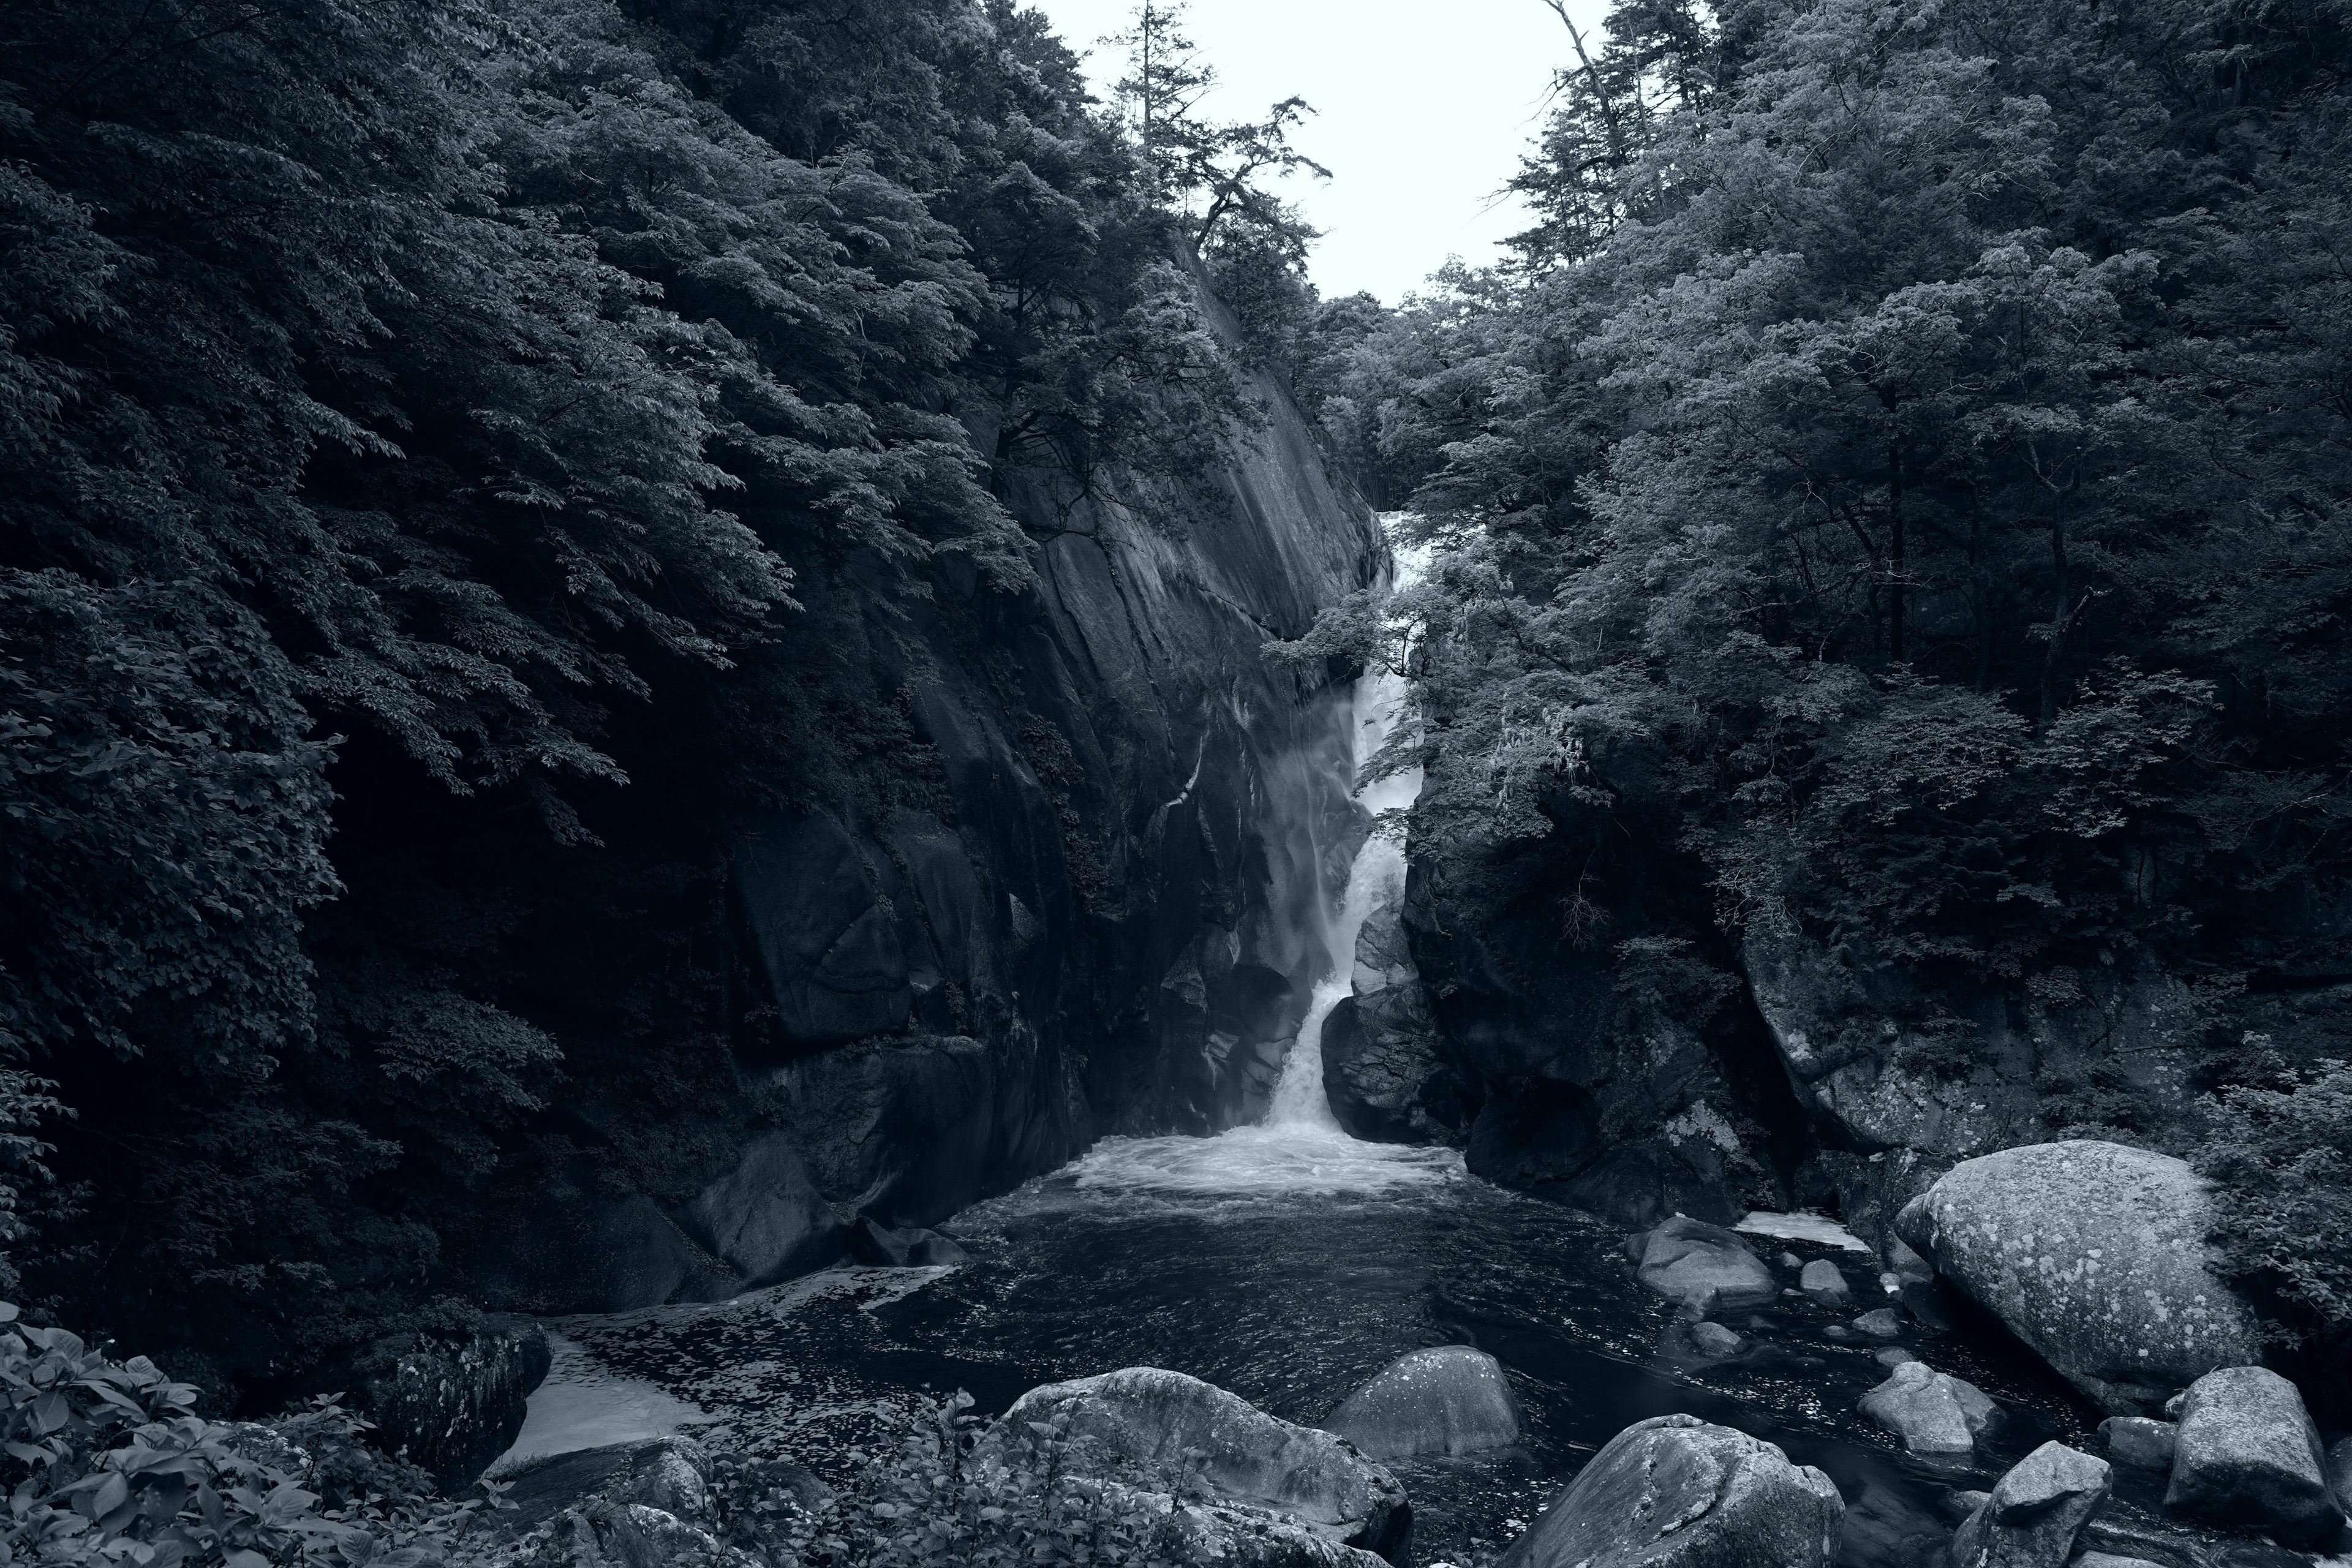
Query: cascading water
[[1376, 876]]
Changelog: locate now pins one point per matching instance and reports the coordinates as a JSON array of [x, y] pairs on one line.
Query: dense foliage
[[1902, 482], [441, 448]]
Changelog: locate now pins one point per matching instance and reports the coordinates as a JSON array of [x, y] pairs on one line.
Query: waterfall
[[1376, 874]]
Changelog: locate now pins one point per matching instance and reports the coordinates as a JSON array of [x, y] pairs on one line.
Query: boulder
[[2247, 1455], [671, 1474], [1824, 1285], [2109, 1560], [766, 1217], [1675, 1492], [2139, 1441], [1932, 1411], [1893, 1355], [453, 1402], [2036, 1512], [1450, 1400], [912, 1248], [1880, 1323], [1715, 1340], [1702, 1266], [1146, 1418], [2094, 1254], [2339, 1472]]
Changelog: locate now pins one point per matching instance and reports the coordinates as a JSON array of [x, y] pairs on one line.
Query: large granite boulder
[[2141, 1442], [1932, 1411], [2246, 1454], [1702, 1266], [2035, 1512], [1147, 1419], [1384, 1070], [766, 1217], [2094, 1254], [1450, 1400], [453, 1402], [1675, 1492]]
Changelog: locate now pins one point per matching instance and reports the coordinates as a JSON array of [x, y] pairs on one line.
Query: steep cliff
[[1091, 913]]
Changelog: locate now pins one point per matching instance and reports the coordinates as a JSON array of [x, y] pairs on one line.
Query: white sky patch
[[1423, 112]]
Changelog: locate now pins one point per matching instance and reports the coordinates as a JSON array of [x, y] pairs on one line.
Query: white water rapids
[[1300, 1147]]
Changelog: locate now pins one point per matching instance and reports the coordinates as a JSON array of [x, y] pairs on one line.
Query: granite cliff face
[[1099, 918]]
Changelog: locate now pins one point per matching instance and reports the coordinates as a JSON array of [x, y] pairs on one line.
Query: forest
[[1890, 519]]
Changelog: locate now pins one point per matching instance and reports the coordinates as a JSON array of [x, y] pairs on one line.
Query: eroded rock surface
[[2095, 1255], [1675, 1492], [454, 1402]]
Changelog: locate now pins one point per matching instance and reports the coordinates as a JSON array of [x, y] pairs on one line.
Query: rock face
[[1675, 1492], [2094, 1254], [1932, 1411], [1090, 901], [2247, 1455], [454, 1403], [1385, 1068], [1450, 1400], [2036, 1512], [1146, 1418], [1702, 1266]]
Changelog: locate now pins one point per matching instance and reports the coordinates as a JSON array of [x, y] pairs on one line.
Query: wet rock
[[1675, 1492], [1715, 1340], [453, 1402], [1385, 1071], [1880, 1323], [602, 1535], [1702, 1266], [1882, 1527], [766, 1217], [1932, 1411], [1824, 1285], [1893, 1355], [913, 1248], [671, 1474], [1146, 1418], [2036, 1512], [2094, 1254], [2246, 1454], [2109, 1560], [2139, 1441], [2339, 1471], [1790, 1261], [1449, 1400]]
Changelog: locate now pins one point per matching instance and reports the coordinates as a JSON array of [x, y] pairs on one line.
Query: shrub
[[940, 1494], [108, 1463], [2283, 1156]]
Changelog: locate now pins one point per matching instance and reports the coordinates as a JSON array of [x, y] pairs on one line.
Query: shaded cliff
[[1088, 907]]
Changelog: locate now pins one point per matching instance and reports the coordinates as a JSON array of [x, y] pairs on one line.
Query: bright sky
[[1422, 110]]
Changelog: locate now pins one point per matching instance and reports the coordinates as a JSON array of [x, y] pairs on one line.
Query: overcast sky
[[1422, 110]]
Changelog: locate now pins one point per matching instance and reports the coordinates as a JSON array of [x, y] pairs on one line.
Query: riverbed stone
[[453, 1401], [1880, 1323], [909, 1247], [2139, 1441], [2036, 1512], [1453, 1400], [1148, 1418], [2247, 1455], [1702, 1266], [1824, 1285], [1932, 1411], [1676, 1493], [2095, 1255], [1715, 1340]]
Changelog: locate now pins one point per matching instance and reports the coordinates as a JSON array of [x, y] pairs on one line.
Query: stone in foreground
[[2139, 1441], [2247, 1455], [1450, 1400], [1146, 1418], [1675, 1492], [455, 1404], [1932, 1411], [2036, 1512], [2094, 1254], [1702, 1266]]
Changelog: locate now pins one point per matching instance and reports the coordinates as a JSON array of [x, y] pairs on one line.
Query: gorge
[[760, 807]]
